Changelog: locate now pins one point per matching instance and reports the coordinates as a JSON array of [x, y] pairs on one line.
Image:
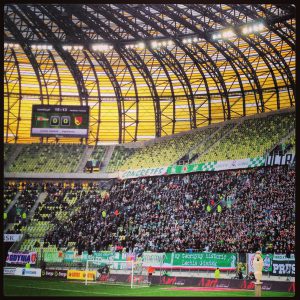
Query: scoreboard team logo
[[78, 120]]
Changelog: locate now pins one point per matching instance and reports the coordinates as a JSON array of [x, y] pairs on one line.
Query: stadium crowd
[[256, 210]]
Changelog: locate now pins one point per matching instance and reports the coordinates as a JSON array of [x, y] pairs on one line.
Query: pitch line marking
[[76, 291]]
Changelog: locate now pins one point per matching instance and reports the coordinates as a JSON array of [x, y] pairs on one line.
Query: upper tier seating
[[251, 138], [119, 158], [58, 158], [166, 152]]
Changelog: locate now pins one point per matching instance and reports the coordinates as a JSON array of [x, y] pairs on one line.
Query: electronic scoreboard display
[[60, 121]]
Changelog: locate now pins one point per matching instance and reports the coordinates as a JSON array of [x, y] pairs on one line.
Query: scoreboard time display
[[60, 121]]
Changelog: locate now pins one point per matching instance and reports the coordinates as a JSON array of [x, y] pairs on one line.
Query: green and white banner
[[218, 165], [202, 260], [202, 167], [71, 256]]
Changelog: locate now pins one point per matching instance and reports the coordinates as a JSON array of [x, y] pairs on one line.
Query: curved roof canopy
[[147, 70]]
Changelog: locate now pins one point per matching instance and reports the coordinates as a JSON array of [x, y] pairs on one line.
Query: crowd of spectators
[[55, 200], [19, 212], [10, 191], [169, 213]]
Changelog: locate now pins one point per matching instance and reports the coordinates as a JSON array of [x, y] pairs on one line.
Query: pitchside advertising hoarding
[[31, 272], [60, 121], [81, 275]]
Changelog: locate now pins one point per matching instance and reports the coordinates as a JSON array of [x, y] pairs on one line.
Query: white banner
[[32, 272], [232, 164], [153, 259], [10, 271], [12, 237], [144, 172]]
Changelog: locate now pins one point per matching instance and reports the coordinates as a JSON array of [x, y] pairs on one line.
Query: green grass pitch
[[25, 286]]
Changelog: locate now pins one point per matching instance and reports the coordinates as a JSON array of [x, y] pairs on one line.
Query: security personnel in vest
[[24, 217], [217, 273], [27, 266], [5, 218]]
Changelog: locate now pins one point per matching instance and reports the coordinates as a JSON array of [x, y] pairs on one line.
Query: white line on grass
[[62, 290]]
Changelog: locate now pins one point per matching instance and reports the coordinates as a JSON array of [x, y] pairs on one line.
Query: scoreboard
[[60, 121]]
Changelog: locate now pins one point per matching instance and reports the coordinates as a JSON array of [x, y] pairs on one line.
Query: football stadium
[[149, 150]]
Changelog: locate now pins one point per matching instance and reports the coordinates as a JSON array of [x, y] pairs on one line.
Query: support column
[[258, 286]]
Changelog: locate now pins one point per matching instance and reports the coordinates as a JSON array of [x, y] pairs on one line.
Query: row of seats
[[119, 158], [48, 158], [10, 191], [166, 152], [9, 149], [98, 153], [60, 203], [251, 138], [213, 139]]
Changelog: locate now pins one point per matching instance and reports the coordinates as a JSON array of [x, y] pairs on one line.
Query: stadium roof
[[147, 70]]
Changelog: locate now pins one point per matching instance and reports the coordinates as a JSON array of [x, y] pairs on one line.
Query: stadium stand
[[166, 152], [18, 215], [237, 139], [62, 201], [95, 161], [119, 158], [169, 213], [251, 138], [149, 145], [10, 191], [59, 158], [8, 150]]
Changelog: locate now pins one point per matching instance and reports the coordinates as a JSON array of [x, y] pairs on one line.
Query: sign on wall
[[12, 237]]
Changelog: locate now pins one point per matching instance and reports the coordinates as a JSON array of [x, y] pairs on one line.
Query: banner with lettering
[[202, 260], [143, 172], [153, 259], [212, 166], [12, 237], [276, 160], [21, 258], [72, 256], [283, 266], [81, 275]]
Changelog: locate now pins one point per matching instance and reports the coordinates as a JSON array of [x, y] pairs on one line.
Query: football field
[[25, 286]]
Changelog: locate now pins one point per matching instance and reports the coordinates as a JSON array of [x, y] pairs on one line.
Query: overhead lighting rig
[[226, 34]]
